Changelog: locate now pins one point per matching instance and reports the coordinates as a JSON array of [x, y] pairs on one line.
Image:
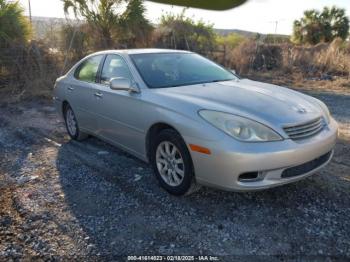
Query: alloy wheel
[[71, 122], [170, 163]]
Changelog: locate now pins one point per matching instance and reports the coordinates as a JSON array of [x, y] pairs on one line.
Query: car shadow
[[118, 203]]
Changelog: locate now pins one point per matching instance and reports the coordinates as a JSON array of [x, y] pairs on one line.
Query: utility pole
[[276, 25], [30, 12], [276, 22]]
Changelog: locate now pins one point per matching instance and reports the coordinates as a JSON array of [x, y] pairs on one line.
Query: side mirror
[[121, 83]]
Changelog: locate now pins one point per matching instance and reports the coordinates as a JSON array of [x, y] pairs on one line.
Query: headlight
[[239, 127]]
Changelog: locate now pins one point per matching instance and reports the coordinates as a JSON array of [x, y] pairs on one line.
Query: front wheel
[[172, 163]]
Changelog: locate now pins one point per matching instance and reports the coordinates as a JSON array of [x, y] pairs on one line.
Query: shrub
[[250, 55], [31, 68], [75, 39], [181, 32], [230, 41]]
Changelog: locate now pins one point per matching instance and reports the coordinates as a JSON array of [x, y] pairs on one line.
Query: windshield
[[161, 70]]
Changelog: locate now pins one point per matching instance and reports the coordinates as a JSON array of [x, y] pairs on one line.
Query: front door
[[119, 111]]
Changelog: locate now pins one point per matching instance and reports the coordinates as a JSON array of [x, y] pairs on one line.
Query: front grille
[[305, 130], [307, 167]]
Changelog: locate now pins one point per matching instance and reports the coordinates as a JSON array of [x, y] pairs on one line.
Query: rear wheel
[[72, 124], [172, 163]]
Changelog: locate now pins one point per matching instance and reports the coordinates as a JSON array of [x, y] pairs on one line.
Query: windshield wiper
[[196, 83], [187, 84], [219, 80]]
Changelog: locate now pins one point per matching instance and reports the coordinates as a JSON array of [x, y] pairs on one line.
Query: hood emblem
[[299, 109], [302, 110]]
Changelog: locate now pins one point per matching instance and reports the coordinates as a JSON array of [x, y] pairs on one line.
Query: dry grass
[[324, 67], [299, 81], [314, 61]]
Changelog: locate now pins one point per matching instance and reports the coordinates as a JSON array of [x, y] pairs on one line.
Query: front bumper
[[229, 159]]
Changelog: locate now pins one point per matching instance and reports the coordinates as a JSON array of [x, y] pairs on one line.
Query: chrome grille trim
[[304, 130], [303, 126]]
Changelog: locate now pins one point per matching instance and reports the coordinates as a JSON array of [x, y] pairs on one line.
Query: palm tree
[[134, 26], [100, 14], [315, 27], [103, 16], [312, 30], [14, 26], [336, 23]]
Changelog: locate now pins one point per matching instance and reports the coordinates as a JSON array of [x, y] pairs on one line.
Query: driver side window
[[113, 67]]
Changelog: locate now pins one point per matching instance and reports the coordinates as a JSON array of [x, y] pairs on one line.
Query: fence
[[33, 67]]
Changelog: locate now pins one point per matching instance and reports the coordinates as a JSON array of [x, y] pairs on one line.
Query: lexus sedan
[[194, 121]]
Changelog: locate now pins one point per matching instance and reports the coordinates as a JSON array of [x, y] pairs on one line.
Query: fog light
[[251, 177]]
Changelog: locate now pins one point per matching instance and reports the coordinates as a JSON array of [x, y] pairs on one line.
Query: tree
[[181, 32], [100, 14], [336, 23], [14, 26], [106, 17], [325, 26], [135, 28]]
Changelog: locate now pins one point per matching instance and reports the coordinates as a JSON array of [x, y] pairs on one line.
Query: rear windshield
[[160, 70]]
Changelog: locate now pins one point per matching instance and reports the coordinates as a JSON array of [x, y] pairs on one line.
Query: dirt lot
[[64, 199]]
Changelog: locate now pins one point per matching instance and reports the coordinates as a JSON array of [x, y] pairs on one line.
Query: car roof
[[142, 51]]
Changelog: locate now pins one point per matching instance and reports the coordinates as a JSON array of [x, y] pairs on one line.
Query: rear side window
[[87, 70]]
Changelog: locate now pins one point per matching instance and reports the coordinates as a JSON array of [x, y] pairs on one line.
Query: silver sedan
[[194, 121]]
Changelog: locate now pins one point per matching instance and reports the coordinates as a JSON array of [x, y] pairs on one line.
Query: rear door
[[81, 92]]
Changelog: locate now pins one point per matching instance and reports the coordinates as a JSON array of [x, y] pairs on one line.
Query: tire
[[72, 124], [172, 181]]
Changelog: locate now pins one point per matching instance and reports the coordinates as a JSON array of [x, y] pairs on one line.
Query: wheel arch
[[64, 106], [152, 132], [155, 129]]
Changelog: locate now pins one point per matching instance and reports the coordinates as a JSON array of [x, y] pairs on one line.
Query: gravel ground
[[61, 199]]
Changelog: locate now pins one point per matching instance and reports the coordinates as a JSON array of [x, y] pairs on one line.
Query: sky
[[256, 15]]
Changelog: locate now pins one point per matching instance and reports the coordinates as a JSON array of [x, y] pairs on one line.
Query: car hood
[[266, 103]]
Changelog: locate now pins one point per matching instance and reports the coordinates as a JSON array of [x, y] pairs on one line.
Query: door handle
[[99, 95], [70, 88]]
